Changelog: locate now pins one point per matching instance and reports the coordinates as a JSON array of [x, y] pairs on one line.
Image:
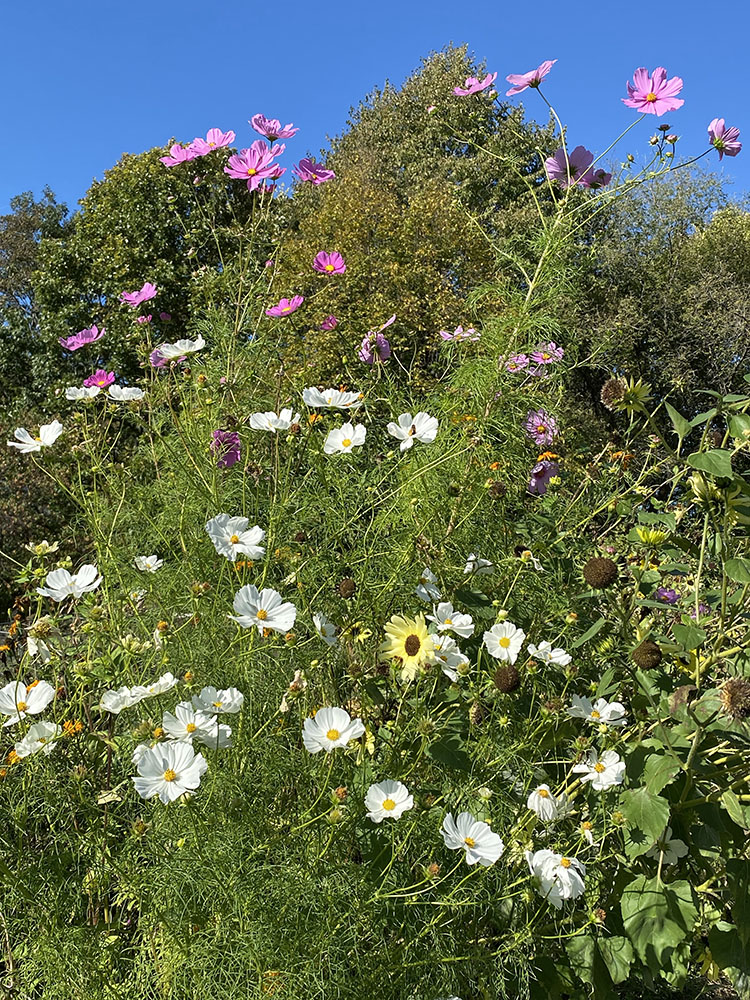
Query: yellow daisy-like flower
[[408, 640]]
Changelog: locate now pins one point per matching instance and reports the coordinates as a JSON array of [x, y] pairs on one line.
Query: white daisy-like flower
[[148, 564], [48, 434], [219, 701], [587, 832], [40, 736], [265, 609], [344, 439], [164, 683], [325, 628], [332, 398], [387, 800], [270, 421], [187, 723], [671, 847], [38, 647], [449, 620], [504, 641], [559, 877], [422, 427], [76, 392], [478, 566], [181, 347], [17, 700], [121, 698], [602, 772], [61, 584], [330, 728], [608, 713], [542, 802], [232, 537], [169, 770], [426, 590], [467, 833], [449, 656], [546, 654], [125, 393], [218, 738]]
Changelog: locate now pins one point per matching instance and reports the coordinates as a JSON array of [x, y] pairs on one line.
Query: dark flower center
[[412, 645]]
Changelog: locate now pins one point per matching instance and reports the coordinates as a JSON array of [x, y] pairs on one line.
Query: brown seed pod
[[347, 588], [735, 698], [507, 678], [648, 655], [600, 572]]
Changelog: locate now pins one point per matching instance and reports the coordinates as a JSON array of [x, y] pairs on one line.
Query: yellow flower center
[[346, 443], [412, 645], [651, 97], [469, 841], [22, 706], [448, 621], [389, 805], [599, 767], [565, 862], [505, 642], [252, 172], [217, 704], [542, 793], [333, 734], [540, 428], [261, 614], [329, 267], [190, 727], [595, 714], [169, 774], [234, 539], [586, 825]]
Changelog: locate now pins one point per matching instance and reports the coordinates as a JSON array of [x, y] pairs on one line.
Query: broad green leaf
[[738, 877], [657, 918], [680, 424], [659, 771], [588, 963], [617, 953], [647, 812], [739, 425], [689, 636], [450, 752], [738, 570], [737, 811], [716, 462]]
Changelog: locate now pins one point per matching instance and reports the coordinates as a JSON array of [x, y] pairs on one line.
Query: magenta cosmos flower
[[653, 95], [460, 334], [83, 337], [578, 166], [547, 354], [214, 139], [540, 476], [473, 86], [329, 323], [272, 128], [724, 139], [540, 427], [255, 163], [142, 295], [178, 154], [309, 170], [375, 347], [329, 263], [226, 445], [100, 378], [517, 363], [521, 81], [286, 306]]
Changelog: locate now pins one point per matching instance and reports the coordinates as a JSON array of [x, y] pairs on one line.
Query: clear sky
[[81, 82]]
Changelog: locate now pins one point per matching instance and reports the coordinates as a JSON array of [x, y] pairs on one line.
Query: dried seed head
[[600, 572], [507, 678], [648, 655], [613, 392], [347, 588], [735, 698]]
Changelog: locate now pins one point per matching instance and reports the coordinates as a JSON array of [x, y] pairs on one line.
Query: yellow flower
[[408, 640]]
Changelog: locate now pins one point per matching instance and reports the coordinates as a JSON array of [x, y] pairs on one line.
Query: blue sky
[[81, 82]]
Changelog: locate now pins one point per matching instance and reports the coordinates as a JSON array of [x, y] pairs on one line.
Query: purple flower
[[540, 427], [375, 347], [144, 319], [579, 164], [703, 609], [653, 95], [540, 476], [100, 378], [309, 170], [329, 323], [521, 81], [136, 298], [473, 86], [165, 317], [547, 354], [226, 445], [272, 128], [329, 263], [460, 334], [666, 595], [214, 139], [178, 154], [517, 362], [286, 306], [255, 163], [724, 139], [83, 337], [157, 359]]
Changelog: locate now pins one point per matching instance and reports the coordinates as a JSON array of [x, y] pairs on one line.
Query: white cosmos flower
[[387, 800], [609, 713], [164, 683], [325, 628], [542, 802], [331, 728], [422, 427], [449, 656], [232, 537], [40, 736], [18, 700], [672, 848], [38, 647], [448, 620], [546, 654], [469, 834], [270, 421], [478, 566], [125, 393], [48, 434], [504, 641], [559, 877], [219, 701], [603, 772], [188, 723], [426, 590], [180, 347], [344, 439], [75, 392], [61, 584], [169, 770], [122, 698], [148, 564], [332, 398], [264, 609]]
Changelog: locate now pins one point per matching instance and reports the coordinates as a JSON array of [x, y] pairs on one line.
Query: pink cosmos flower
[[144, 319], [83, 337], [540, 427], [329, 263], [157, 359], [178, 154], [100, 378], [578, 162], [136, 298], [724, 139], [226, 444], [460, 334], [329, 323], [254, 164], [521, 81], [375, 347], [474, 86], [653, 95], [272, 128], [165, 317], [309, 170], [214, 139], [286, 306], [547, 354], [517, 362], [540, 476]]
